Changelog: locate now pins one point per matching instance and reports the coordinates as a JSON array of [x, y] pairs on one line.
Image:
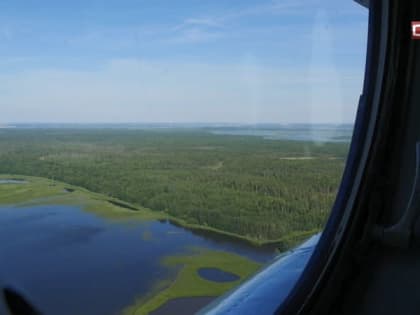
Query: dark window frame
[[365, 129]]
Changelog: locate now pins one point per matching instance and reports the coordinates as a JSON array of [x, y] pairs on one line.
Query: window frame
[[325, 255]]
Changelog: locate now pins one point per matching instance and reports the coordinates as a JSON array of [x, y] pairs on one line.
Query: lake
[[311, 133], [70, 261], [12, 181]]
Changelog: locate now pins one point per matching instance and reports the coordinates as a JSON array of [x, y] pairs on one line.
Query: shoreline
[[282, 244]]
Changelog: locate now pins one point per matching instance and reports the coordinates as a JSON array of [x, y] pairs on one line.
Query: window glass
[[155, 154]]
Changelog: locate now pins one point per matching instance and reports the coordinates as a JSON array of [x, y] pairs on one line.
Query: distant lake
[[69, 261], [312, 133], [12, 181]]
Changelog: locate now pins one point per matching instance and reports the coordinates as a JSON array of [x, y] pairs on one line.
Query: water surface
[[311, 133], [217, 275], [72, 262], [12, 181]]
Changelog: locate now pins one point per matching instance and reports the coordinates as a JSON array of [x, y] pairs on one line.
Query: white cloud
[[234, 22], [193, 35], [209, 22]]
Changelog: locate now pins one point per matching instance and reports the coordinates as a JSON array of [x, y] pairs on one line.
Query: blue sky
[[181, 61]]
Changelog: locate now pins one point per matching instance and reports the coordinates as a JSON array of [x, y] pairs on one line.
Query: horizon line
[[173, 123]]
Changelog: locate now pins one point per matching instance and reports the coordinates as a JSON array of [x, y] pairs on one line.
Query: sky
[[230, 61]]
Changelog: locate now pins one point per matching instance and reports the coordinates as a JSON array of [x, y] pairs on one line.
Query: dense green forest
[[261, 189]]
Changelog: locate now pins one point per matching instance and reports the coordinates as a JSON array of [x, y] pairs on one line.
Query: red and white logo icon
[[415, 26]]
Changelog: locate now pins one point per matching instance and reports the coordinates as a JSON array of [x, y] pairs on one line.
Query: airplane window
[[156, 154]]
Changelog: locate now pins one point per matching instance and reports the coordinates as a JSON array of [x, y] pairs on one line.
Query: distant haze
[[207, 61]]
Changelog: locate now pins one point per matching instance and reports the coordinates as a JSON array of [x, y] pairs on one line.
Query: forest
[[246, 185]]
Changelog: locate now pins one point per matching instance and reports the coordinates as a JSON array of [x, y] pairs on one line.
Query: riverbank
[[47, 191], [282, 244], [42, 191]]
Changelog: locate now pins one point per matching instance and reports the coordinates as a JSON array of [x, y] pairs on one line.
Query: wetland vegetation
[[189, 283]]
